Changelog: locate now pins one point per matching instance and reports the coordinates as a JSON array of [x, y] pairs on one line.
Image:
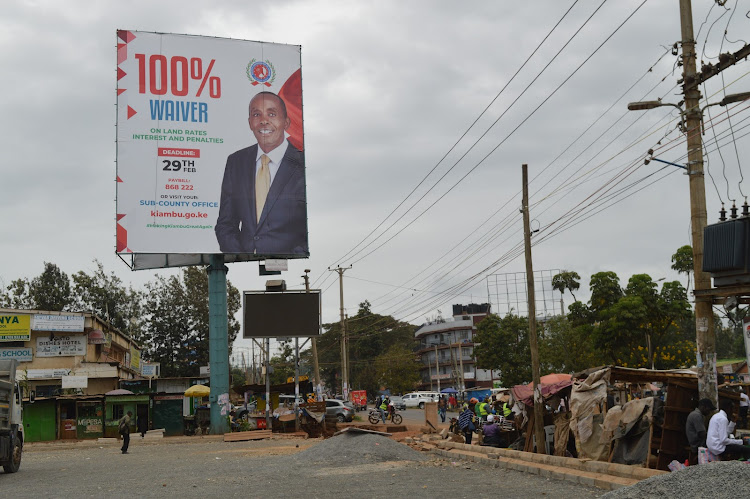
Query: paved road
[[185, 468]]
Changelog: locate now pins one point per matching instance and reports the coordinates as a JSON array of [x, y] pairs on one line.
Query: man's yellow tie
[[262, 185]]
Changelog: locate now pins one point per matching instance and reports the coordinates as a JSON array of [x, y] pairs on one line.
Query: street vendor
[[695, 428], [717, 438], [466, 422], [491, 432]]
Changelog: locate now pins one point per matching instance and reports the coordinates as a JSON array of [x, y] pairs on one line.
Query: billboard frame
[[287, 292]]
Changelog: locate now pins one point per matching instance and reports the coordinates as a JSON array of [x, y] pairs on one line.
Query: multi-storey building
[[446, 350]]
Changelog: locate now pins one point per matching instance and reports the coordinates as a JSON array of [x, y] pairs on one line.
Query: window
[[48, 390], [118, 411]]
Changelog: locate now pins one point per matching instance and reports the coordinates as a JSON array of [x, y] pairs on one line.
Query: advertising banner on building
[[21, 354], [210, 150], [60, 323], [135, 359], [15, 327], [61, 345]]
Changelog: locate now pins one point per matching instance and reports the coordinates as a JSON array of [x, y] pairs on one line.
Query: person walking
[[442, 407], [124, 429], [142, 426], [466, 422]]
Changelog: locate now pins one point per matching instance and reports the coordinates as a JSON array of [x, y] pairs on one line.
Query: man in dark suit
[[263, 209]]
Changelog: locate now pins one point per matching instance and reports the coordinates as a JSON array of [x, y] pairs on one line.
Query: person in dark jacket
[[142, 426], [467, 422]]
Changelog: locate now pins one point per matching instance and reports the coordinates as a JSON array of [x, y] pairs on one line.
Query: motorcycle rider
[[384, 407]]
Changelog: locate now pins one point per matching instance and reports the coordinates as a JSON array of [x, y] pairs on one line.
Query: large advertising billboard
[[210, 149]]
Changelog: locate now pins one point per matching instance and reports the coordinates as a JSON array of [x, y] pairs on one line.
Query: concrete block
[[587, 480], [603, 483], [597, 466]]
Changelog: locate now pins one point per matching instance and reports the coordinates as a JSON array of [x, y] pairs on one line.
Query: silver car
[[339, 410]]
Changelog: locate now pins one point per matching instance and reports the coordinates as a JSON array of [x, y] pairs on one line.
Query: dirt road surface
[[271, 468]]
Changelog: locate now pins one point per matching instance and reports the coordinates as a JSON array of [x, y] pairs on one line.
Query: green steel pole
[[218, 344]]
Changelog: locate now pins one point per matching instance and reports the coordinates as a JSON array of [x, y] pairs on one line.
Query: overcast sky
[[389, 87]]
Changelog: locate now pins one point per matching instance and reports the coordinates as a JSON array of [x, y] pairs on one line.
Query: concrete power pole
[[314, 341], [344, 366], [705, 336], [538, 405]]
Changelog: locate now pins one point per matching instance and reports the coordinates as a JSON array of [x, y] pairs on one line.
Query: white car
[[418, 399]]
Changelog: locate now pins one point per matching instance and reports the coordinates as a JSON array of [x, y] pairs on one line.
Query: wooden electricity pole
[[538, 405], [344, 366], [704, 320]]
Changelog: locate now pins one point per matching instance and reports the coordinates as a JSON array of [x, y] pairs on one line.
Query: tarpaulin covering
[[629, 428], [525, 393], [587, 397]]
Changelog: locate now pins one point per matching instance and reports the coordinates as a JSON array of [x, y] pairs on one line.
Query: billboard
[[280, 314], [15, 327], [210, 150]]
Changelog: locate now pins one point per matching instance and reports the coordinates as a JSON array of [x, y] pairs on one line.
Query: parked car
[[398, 402], [418, 399], [340, 410]]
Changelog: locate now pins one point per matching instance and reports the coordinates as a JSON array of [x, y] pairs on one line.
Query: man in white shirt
[[744, 404], [717, 438]]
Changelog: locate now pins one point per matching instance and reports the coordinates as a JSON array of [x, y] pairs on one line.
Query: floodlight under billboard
[[210, 150], [288, 314]]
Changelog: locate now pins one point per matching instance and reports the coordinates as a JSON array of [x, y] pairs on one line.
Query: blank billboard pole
[[218, 341]]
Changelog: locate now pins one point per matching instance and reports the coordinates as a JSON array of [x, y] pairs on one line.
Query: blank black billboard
[[281, 314]]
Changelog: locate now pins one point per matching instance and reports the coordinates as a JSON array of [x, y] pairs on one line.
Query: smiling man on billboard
[[263, 208]]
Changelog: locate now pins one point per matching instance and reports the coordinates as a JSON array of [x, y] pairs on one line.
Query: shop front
[[116, 406], [168, 414]]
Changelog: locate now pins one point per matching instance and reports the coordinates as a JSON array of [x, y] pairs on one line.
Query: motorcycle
[[374, 416]]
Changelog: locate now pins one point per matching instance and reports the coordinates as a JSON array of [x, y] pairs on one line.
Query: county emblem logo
[[260, 72]]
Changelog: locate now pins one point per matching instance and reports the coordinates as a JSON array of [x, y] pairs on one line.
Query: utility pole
[[437, 368], [538, 406], [705, 336], [344, 367], [314, 340]]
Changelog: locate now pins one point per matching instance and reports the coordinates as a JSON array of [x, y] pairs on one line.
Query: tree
[[502, 344], [566, 348], [106, 296], [370, 335], [605, 291], [566, 280], [176, 327], [17, 295], [397, 369], [282, 364], [682, 262], [50, 290]]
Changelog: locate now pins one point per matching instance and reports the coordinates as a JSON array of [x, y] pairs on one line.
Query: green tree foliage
[[397, 368], [502, 344], [566, 348], [730, 343], [642, 327], [50, 290], [682, 262], [605, 291], [175, 329], [106, 296], [370, 335], [566, 280], [282, 363]]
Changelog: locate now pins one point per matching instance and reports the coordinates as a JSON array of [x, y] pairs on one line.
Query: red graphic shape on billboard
[[131, 112], [179, 153], [122, 236], [125, 36], [120, 74], [119, 180], [291, 92], [120, 90], [122, 53]]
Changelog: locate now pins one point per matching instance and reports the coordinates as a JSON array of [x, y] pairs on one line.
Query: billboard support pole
[[218, 341]]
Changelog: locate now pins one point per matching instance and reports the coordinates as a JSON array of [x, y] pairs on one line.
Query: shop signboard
[[21, 354], [135, 359], [61, 345], [46, 373], [186, 140], [75, 382], [59, 323], [15, 327], [150, 369]]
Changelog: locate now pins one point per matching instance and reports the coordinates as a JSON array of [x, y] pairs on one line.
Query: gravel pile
[[350, 449], [730, 479]]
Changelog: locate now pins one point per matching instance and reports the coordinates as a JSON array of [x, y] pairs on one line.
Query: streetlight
[[691, 120]]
